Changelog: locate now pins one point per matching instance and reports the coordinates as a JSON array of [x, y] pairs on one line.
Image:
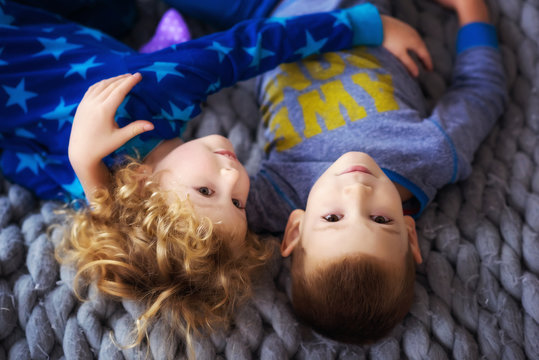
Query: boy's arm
[[95, 134], [476, 97]]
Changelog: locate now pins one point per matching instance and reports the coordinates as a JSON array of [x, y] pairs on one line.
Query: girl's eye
[[206, 191], [332, 217], [237, 204], [379, 219]]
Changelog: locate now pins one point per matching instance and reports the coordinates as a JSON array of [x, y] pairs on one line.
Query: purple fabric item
[[171, 30]]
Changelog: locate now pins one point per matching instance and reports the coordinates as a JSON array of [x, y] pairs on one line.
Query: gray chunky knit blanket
[[477, 292]]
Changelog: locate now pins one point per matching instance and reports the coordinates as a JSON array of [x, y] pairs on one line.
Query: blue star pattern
[[55, 47], [258, 53], [162, 69], [221, 50], [98, 35], [312, 46], [2, 62], [82, 68], [47, 68], [62, 113], [18, 95], [214, 87], [24, 133], [177, 113], [5, 20], [342, 19], [278, 20], [29, 161]]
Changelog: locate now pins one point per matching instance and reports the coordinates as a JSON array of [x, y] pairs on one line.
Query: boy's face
[[353, 208], [207, 171]]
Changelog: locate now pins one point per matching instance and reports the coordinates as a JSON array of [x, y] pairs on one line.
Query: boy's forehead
[[322, 246]]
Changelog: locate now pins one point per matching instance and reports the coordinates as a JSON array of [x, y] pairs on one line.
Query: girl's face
[[207, 172]]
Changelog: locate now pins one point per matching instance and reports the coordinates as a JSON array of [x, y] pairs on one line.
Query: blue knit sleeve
[[476, 98], [476, 34]]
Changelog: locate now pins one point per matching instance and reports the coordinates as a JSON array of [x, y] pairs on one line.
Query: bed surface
[[477, 291]]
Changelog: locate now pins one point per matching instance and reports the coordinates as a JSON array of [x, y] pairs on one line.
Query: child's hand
[[95, 134], [468, 10], [399, 38]]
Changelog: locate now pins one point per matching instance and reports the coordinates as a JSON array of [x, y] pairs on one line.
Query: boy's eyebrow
[[336, 225]]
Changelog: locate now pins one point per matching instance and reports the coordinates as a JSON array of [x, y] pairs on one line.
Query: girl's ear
[[144, 169], [412, 239], [292, 233]]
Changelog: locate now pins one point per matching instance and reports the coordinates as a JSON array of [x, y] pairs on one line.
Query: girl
[[153, 231]]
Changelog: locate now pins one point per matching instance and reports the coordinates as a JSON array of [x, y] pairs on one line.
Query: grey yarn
[[477, 290]]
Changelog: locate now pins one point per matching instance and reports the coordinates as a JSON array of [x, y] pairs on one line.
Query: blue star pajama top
[[47, 63]]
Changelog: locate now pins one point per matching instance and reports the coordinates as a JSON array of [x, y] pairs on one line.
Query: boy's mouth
[[227, 153], [356, 168]]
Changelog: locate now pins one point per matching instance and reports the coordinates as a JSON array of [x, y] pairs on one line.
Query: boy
[[354, 247], [188, 260]]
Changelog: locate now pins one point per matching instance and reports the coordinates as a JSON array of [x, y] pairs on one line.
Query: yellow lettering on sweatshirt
[[284, 133], [380, 90], [329, 66], [289, 76], [329, 110], [360, 58]]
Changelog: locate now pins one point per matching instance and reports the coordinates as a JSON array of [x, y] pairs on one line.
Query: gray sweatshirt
[[364, 100]]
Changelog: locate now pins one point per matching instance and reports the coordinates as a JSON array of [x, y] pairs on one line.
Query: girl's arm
[[95, 134], [179, 78]]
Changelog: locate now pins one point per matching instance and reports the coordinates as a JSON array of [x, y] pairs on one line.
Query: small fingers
[[409, 64], [120, 87], [424, 55], [133, 129], [101, 86]]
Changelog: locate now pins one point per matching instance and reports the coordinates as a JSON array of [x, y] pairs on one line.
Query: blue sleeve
[[367, 25], [177, 79], [476, 34], [476, 98]]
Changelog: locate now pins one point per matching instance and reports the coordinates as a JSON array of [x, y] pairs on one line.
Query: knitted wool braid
[[477, 291]]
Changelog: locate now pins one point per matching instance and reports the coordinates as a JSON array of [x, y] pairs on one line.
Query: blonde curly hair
[[134, 243]]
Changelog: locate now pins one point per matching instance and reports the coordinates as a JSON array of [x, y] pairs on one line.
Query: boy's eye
[[332, 217], [237, 204], [379, 219], [206, 191]]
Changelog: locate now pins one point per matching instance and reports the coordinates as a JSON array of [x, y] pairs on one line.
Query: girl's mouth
[[227, 153]]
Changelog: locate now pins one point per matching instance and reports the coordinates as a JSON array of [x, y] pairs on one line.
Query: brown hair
[[135, 243], [357, 299]]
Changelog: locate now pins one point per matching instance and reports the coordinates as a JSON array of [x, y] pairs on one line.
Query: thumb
[[133, 129]]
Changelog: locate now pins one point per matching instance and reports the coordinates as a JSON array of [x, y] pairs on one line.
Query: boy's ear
[[412, 239], [292, 232]]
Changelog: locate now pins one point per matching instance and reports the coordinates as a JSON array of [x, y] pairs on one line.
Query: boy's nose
[[357, 189]]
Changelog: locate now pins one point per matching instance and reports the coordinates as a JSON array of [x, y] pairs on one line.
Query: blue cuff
[[366, 24], [476, 34], [413, 188]]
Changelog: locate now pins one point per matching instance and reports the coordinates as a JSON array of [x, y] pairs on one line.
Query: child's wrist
[[470, 11]]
